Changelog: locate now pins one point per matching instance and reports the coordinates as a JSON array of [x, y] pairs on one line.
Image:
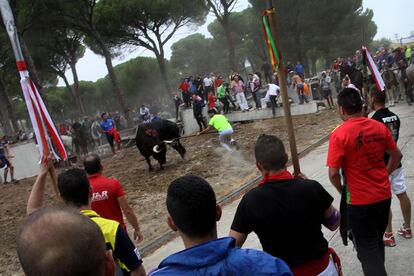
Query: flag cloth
[[374, 69], [48, 139], [270, 43]]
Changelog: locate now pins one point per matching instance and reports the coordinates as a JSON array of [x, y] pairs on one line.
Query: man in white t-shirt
[[272, 93], [207, 85]]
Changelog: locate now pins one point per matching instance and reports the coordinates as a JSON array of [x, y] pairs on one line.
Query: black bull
[[153, 134]]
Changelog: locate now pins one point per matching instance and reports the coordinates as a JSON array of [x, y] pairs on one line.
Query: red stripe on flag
[[21, 65], [41, 130]]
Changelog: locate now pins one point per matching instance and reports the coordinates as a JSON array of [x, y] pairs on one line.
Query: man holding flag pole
[[45, 131]]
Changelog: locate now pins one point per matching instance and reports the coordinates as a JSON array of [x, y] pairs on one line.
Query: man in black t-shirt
[[287, 213], [397, 179]]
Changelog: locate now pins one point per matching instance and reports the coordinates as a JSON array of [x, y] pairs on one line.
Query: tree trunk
[[71, 91], [164, 75], [313, 61], [6, 112], [230, 45], [32, 69], [112, 76], [252, 64], [76, 90]]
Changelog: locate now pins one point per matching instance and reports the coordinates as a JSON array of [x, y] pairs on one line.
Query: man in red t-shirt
[[108, 196], [357, 147]]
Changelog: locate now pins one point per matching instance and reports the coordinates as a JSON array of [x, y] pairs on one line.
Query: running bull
[[151, 141]]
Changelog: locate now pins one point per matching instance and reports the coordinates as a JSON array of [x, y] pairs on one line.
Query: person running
[[287, 214], [223, 96], [5, 161], [223, 126], [198, 105], [75, 191], [112, 135], [325, 84], [272, 94], [108, 196], [193, 213], [397, 179], [357, 147]]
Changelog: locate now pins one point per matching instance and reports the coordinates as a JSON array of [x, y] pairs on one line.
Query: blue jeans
[[225, 138]]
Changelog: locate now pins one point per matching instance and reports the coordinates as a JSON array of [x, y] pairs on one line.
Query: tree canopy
[[54, 35]]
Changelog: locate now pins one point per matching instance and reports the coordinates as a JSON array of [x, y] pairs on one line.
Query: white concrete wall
[[25, 161], [190, 124]]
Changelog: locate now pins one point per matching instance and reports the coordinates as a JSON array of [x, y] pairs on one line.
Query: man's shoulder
[[106, 225], [257, 262], [101, 180], [298, 183]]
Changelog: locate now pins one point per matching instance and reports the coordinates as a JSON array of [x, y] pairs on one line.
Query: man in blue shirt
[[108, 127], [299, 70], [193, 213]]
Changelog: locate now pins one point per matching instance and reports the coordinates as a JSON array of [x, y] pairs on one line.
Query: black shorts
[[4, 163], [110, 139], [326, 93]]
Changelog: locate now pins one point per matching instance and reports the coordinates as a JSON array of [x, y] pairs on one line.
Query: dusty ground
[[146, 191]]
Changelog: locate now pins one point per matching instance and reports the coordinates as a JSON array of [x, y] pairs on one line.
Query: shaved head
[[92, 164], [61, 241]]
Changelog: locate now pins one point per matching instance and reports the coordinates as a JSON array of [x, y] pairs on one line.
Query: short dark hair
[[104, 113], [92, 164], [60, 240], [191, 203], [350, 100], [270, 152], [212, 111], [74, 187], [379, 97]]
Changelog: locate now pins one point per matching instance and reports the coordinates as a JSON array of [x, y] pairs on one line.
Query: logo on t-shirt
[[100, 196], [358, 141]]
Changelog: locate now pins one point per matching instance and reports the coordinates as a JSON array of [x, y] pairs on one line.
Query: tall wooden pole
[[8, 19], [283, 89]]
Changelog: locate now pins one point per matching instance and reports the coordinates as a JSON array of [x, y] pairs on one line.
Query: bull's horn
[[156, 149]]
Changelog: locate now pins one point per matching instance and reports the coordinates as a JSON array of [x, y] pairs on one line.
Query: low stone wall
[[26, 160], [190, 124]]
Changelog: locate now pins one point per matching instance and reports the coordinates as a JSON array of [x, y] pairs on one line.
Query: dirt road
[[146, 191]]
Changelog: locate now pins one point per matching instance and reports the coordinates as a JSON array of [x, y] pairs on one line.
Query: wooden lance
[[43, 127], [283, 89]]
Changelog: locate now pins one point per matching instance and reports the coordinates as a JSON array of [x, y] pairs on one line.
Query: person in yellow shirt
[[224, 128]]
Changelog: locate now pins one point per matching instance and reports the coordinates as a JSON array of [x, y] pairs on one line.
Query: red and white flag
[[47, 137], [45, 131], [374, 70]]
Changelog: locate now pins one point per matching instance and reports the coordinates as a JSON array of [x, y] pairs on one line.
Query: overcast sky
[[391, 17]]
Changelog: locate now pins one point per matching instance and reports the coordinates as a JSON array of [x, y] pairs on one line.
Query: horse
[[391, 86]]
